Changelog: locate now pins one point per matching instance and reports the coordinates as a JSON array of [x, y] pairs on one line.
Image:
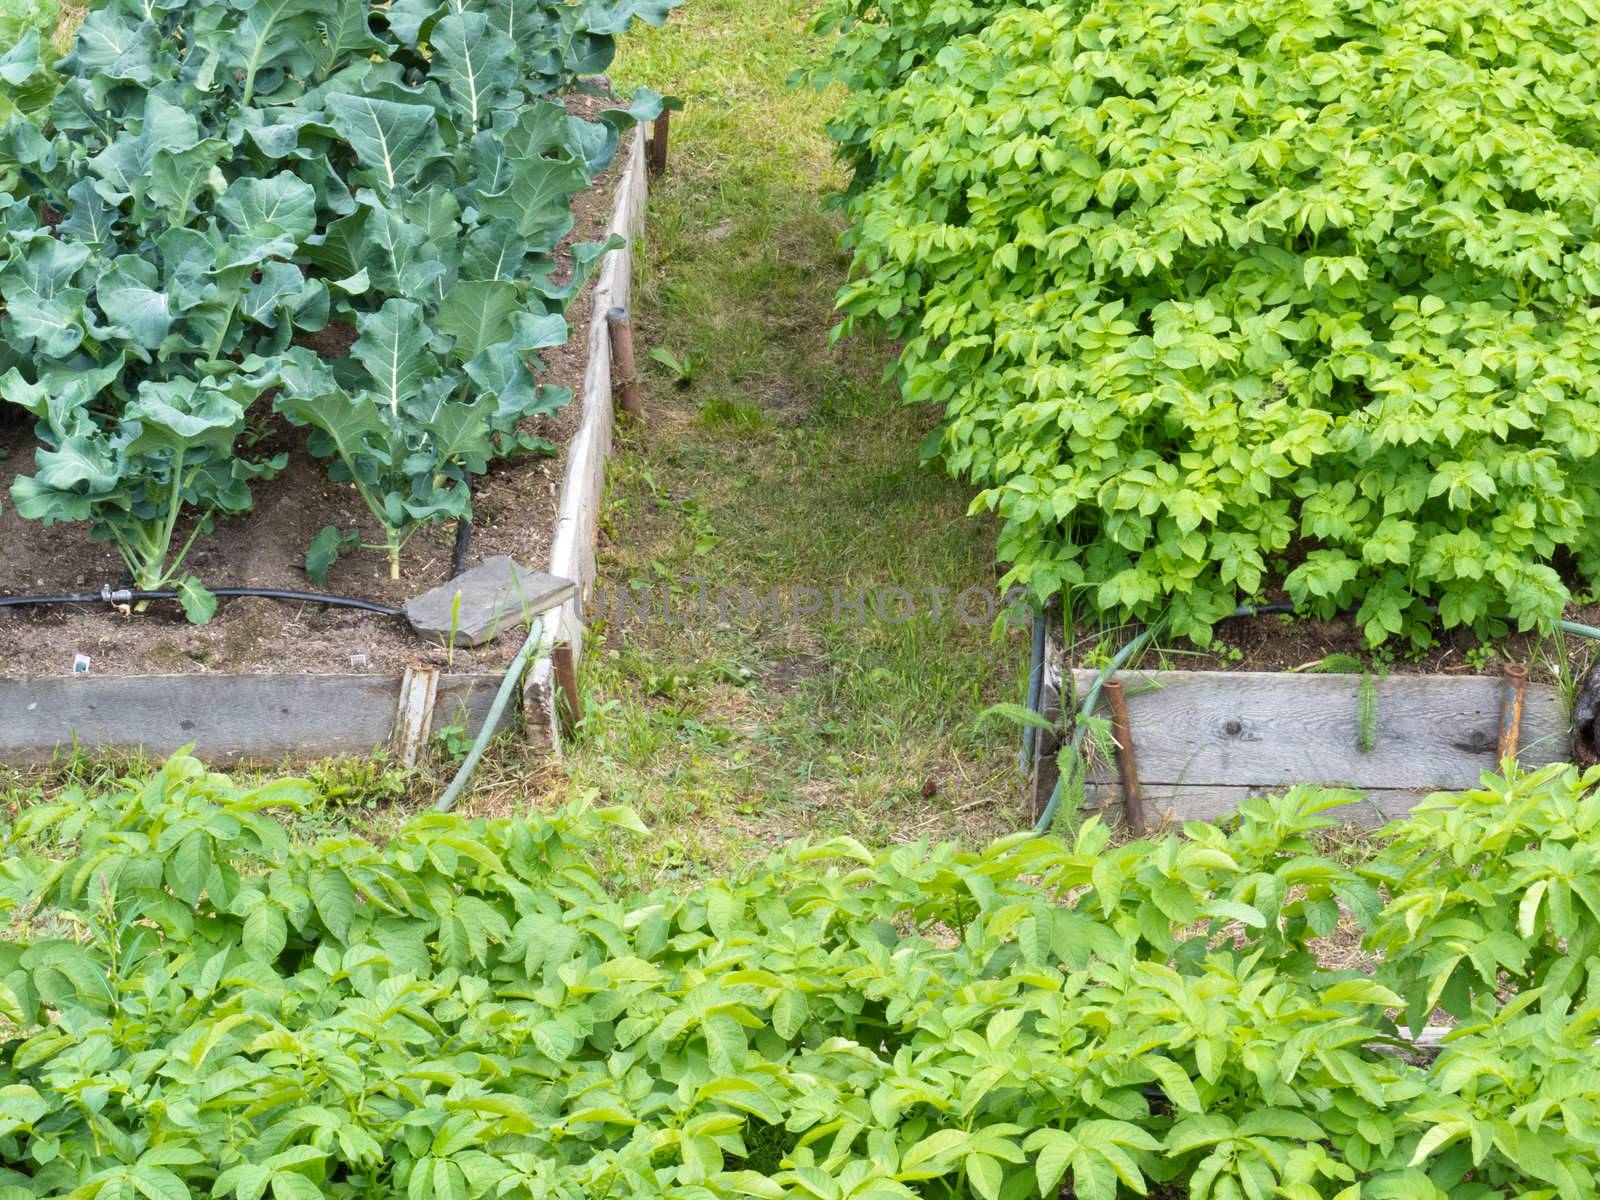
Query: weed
[[683, 370], [1367, 714], [1336, 664], [352, 782], [451, 744]]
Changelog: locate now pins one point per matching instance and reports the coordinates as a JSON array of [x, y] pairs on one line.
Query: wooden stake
[[624, 374], [658, 144], [566, 683], [1127, 764], [1511, 701]]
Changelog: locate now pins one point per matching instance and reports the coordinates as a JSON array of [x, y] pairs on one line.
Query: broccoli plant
[[171, 449], [213, 190], [408, 432]]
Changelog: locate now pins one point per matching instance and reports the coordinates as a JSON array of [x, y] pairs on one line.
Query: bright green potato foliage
[[1218, 295], [213, 184], [1518, 868], [879, 44], [192, 1006]]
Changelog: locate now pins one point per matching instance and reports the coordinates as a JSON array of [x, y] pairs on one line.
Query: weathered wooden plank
[[540, 726], [577, 529], [227, 717], [1255, 729], [572, 549], [464, 701], [1173, 804]]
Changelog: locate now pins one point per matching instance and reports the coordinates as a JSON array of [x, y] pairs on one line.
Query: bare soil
[[515, 506], [1283, 643]]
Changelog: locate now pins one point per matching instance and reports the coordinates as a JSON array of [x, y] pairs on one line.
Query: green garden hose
[[508, 687]]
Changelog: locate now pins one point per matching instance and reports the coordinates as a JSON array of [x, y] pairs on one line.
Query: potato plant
[[215, 192], [1228, 301], [877, 44], [194, 1004]]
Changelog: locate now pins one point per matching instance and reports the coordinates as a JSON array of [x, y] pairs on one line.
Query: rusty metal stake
[[658, 144], [1127, 764], [624, 374], [1511, 699], [566, 683]]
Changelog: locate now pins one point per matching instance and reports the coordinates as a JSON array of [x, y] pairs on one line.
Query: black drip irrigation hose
[[458, 561], [1282, 608], [385, 610], [109, 595], [19, 601]]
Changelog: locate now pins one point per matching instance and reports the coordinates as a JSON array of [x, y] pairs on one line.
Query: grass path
[[779, 463]]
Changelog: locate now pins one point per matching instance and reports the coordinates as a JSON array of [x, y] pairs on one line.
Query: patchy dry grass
[[768, 458], [779, 462]]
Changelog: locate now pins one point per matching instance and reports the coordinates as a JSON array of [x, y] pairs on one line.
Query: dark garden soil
[[515, 507], [1284, 643]]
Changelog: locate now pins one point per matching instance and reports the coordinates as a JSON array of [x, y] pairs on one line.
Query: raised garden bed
[[264, 679], [1205, 740], [1199, 742], [1197, 362]]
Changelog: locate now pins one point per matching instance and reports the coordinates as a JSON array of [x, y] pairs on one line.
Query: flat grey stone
[[496, 595]]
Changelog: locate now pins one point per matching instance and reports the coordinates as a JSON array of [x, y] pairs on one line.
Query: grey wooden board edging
[[1199, 729], [227, 717], [572, 548], [539, 720]]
